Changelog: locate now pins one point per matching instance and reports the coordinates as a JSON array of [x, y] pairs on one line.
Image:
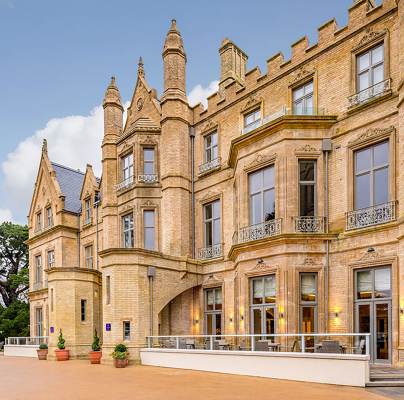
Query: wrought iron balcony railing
[[306, 111], [369, 93], [125, 183], [148, 178], [370, 216], [309, 224], [258, 231], [206, 253], [210, 166]]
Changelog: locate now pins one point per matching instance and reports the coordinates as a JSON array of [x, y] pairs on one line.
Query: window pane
[[209, 324], [218, 323], [255, 181], [208, 234], [270, 289], [364, 284], [308, 110], [149, 218], [256, 209], [308, 319], [148, 154], [269, 180], [381, 186], [298, 108], [307, 194], [270, 321], [378, 74], [306, 170], [209, 299], [269, 205], [382, 283], [363, 62], [363, 160], [214, 138], [362, 191], [218, 299], [216, 209], [381, 154], [216, 232], [363, 81], [308, 287], [208, 211], [308, 88], [149, 241], [257, 321], [258, 291], [377, 55], [298, 93]]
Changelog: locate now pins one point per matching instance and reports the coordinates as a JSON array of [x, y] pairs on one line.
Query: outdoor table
[[274, 346]]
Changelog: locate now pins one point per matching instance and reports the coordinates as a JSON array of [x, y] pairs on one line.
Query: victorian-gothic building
[[278, 208]]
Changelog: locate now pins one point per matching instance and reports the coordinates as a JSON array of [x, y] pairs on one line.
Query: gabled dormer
[[89, 195]]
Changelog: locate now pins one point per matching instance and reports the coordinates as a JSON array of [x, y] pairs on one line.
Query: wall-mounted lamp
[[230, 319], [260, 261], [371, 250], [281, 315], [336, 314], [196, 321], [401, 311], [242, 317]]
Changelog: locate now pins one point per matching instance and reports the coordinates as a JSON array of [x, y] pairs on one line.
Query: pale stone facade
[[153, 257]]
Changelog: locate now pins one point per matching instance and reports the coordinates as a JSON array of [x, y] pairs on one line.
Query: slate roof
[[70, 182]]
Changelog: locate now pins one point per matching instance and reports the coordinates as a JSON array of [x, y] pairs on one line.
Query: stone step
[[386, 377], [385, 384]]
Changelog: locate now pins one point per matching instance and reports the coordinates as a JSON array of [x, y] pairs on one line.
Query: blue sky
[[57, 57]]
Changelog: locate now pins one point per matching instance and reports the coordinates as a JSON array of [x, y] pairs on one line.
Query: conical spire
[[140, 67], [112, 95], [173, 40], [45, 147]]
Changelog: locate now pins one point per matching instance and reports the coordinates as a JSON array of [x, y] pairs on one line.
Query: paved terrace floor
[[30, 379]]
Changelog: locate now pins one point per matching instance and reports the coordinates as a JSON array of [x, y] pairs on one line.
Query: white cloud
[[5, 215], [199, 94], [73, 141]]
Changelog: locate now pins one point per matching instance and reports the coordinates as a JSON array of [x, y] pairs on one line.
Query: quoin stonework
[[278, 208]]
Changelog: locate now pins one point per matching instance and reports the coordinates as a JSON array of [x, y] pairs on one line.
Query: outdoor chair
[[190, 344], [329, 346], [360, 348], [262, 345]]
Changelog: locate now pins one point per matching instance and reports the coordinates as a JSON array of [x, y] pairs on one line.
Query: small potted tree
[[96, 353], [42, 351], [120, 356], [61, 353]]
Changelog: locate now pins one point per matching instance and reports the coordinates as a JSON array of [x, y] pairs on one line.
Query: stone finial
[[45, 147], [112, 95], [140, 67], [173, 40]]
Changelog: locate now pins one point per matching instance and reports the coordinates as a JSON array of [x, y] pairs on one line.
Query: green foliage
[[14, 320], [61, 341], [13, 263], [43, 346], [120, 352], [96, 342]]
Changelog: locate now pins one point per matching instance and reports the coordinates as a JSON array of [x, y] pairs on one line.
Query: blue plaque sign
[[107, 327], [52, 329]]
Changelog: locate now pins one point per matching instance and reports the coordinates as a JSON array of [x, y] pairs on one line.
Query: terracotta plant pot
[[95, 357], [62, 355], [42, 354], [120, 363]]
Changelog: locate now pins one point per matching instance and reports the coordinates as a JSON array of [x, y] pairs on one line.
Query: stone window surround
[[140, 159], [86, 320], [121, 156], [383, 38], [85, 245], [313, 76], [385, 134], [250, 107], [139, 242], [129, 210], [90, 221], [38, 253], [204, 313]]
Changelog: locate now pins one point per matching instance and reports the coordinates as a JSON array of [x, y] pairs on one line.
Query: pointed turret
[[174, 58], [140, 67], [45, 147], [112, 95]]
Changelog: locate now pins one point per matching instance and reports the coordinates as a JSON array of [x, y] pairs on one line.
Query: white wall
[[350, 370], [20, 350]]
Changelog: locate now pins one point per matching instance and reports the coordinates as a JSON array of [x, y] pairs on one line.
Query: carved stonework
[[370, 36], [209, 126], [371, 255], [209, 195], [252, 101], [307, 149], [147, 140], [260, 159], [139, 104], [213, 280], [148, 203], [260, 268], [301, 73], [372, 133]]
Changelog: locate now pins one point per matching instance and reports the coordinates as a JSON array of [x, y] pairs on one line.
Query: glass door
[[382, 332]]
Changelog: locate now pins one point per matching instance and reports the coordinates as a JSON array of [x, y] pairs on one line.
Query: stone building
[[278, 208]]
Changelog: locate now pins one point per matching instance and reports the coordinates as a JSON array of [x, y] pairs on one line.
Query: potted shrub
[[42, 351], [96, 353], [61, 353], [120, 356]]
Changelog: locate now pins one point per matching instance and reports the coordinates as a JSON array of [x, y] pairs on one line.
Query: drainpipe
[[192, 136], [326, 147], [96, 205], [78, 240]]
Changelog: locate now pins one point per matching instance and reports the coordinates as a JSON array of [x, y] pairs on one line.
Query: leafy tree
[[14, 320], [14, 277]]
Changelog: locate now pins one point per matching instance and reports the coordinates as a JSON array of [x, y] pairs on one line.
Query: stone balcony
[[40, 285], [210, 166], [370, 93], [125, 184], [211, 252], [259, 231], [371, 216], [309, 224], [148, 178]]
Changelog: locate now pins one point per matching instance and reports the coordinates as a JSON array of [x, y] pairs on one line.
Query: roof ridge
[[69, 168]]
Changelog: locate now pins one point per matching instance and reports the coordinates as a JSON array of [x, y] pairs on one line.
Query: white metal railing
[[370, 216], [342, 343], [214, 251], [309, 224], [26, 341], [258, 231], [210, 165], [125, 183], [307, 111], [148, 178], [370, 93]]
